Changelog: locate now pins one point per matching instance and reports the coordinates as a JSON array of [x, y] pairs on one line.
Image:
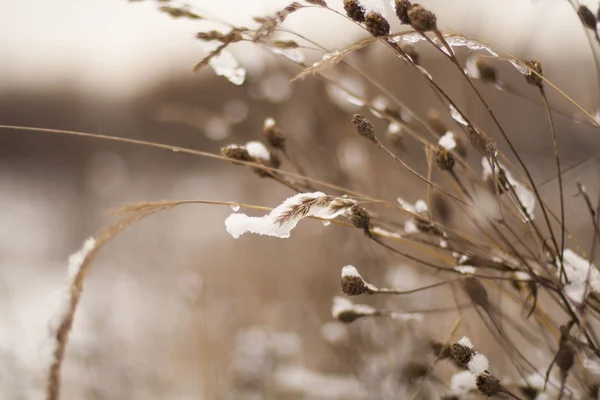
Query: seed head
[[533, 78], [436, 123], [440, 350], [587, 17], [402, 7], [422, 19], [488, 384], [273, 135], [376, 24], [364, 127], [444, 159], [476, 291], [352, 283], [354, 10], [565, 358], [361, 219], [461, 354], [236, 153]]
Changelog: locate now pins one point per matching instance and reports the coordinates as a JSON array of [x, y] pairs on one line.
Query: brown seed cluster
[[587, 17], [361, 219], [422, 19], [354, 10], [488, 384], [364, 127], [461, 354], [444, 159], [236, 153], [274, 136], [402, 7], [353, 285], [376, 24], [533, 78]]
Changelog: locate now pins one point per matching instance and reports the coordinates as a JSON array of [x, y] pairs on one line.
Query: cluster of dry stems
[[508, 247]]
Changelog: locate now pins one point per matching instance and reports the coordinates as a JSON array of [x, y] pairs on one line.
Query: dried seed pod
[[376, 24], [351, 282], [565, 357], [436, 123], [440, 350], [361, 219], [488, 384], [402, 7], [364, 127], [476, 138], [440, 208], [354, 10], [533, 78], [461, 354], [422, 19], [236, 153], [273, 135], [587, 17], [444, 159], [476, 291]]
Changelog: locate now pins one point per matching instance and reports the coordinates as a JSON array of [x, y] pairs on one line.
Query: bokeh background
[[176, 308]]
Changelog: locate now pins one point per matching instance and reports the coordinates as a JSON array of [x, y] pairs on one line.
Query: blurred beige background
[[177, 309]]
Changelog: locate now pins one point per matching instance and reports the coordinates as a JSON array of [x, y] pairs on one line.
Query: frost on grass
[[282, 219], [346, 311], [578, 269], [65, 302], [525, 196], [224, 64]]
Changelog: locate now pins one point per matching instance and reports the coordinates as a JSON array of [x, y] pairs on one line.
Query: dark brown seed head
[[587, 17], [376, 24], [533, 78], [422, 19], [402, 7], [364, 127], [488, 384], [440, 350], [236, 153], [476, 138], [353, 285], [461, 354], [354, 10], [361, 219], [476, 291], [565, 358], [440, 208], [274, 136], [444, 159]]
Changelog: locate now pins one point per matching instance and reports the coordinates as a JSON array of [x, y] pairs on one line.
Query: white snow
[[478, 364], [276, 224], [448, 141], [465, 269], [576, 268], [258, 150]]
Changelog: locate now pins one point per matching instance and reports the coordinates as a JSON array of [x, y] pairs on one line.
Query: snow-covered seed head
[[236, 153], [354, 10], [364, 127], [352, 283], [376, 24], [488, 384], [461, 354], [273, 135], [422, 19], [402, 7], [361, 219]]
